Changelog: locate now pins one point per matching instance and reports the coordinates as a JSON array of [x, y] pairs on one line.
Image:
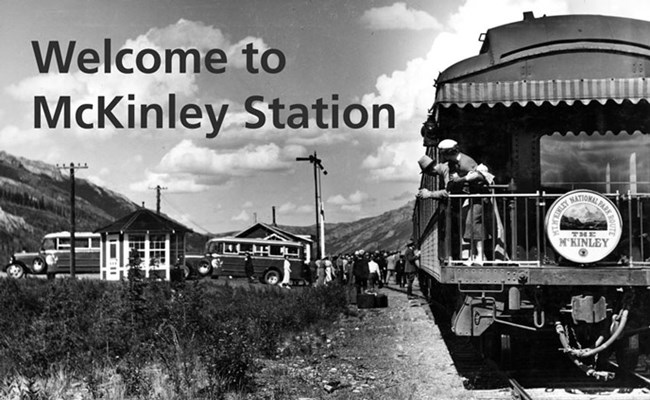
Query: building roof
[[142, 221], [273, 230]]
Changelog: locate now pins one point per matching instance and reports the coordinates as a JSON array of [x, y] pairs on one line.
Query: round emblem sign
[[583, 226]]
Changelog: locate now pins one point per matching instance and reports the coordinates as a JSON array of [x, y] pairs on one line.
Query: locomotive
[[558, 110]]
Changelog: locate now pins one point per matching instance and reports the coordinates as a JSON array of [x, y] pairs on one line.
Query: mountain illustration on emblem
[[583, 217]]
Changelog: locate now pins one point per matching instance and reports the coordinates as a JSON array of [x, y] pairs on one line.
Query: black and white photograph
[[346, 199]]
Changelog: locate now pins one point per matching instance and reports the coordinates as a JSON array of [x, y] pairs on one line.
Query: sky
[[226, 145]]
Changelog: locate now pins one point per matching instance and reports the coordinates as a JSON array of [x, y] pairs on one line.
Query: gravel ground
[[381, 353]]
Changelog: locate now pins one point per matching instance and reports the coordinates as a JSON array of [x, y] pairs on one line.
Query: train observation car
[[558, 109]]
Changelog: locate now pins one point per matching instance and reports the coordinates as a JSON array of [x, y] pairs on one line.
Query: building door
[[113, 259]]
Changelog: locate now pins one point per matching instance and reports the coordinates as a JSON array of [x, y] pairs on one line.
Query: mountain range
[[35, 200]]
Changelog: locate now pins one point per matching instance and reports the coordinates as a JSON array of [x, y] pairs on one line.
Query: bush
[[187, 329]]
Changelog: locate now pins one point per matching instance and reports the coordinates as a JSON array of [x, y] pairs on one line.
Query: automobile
[[54, 256], [225, 257]]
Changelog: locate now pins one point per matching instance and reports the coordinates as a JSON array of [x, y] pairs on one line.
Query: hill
[[35, 200], [388, 231]]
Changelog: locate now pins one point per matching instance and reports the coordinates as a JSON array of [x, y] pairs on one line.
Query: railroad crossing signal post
[[73, 266], [320, 226]]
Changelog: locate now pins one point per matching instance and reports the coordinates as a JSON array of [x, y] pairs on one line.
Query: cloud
[[410, 90], [32, 143], [355, 198], [175, 183], [398, 16], [186, 157], [188, 168], [403, 196], [351, 208], [147, 88], [395, 162], [291, 208], [242, 216]]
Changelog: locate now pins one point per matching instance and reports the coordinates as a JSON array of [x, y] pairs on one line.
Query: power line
[[175, 208]]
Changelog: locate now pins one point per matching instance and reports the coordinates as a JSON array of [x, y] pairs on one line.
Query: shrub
[[82, 326]]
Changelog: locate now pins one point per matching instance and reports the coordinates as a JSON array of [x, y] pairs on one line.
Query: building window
[[157, 249], [138, 242]]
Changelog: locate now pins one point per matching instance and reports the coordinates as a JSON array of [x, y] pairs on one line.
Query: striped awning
[[538, 92]]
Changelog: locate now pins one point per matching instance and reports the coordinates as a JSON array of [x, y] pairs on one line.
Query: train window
[[605, 163]]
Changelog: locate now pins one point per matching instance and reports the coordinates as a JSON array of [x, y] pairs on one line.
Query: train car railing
[[514, 229]]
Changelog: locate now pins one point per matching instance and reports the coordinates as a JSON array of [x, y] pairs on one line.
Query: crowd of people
[[366, 270]]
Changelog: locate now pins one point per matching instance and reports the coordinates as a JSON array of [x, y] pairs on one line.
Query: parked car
[[54, 256]]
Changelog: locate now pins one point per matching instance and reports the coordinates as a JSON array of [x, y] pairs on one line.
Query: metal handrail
[[523, 216]]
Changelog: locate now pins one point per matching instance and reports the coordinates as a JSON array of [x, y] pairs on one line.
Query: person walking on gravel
[[411, 268]]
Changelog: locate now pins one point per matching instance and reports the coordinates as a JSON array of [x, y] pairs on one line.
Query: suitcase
[[365, 300], [381, 301]]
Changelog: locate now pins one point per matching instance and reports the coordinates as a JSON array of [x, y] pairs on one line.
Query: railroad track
[[559, 381], [640, 390]]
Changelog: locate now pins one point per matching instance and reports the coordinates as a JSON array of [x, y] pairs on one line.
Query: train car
[[557, 108]]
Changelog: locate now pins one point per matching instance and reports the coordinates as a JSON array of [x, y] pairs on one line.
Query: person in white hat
[[457, 170], [460, 176]]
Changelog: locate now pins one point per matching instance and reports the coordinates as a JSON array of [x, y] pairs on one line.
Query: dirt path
[[381, 353]]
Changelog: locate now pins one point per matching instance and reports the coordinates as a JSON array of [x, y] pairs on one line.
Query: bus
[[225, 257], [54, 256]]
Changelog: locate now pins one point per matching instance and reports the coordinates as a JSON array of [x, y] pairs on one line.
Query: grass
[[136, 340]]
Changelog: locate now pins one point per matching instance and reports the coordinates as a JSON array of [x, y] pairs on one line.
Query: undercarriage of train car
[[566, 247]]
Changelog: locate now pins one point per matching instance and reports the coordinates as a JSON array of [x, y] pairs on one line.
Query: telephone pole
[[158, 189], [320, 223], [72, 167]]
